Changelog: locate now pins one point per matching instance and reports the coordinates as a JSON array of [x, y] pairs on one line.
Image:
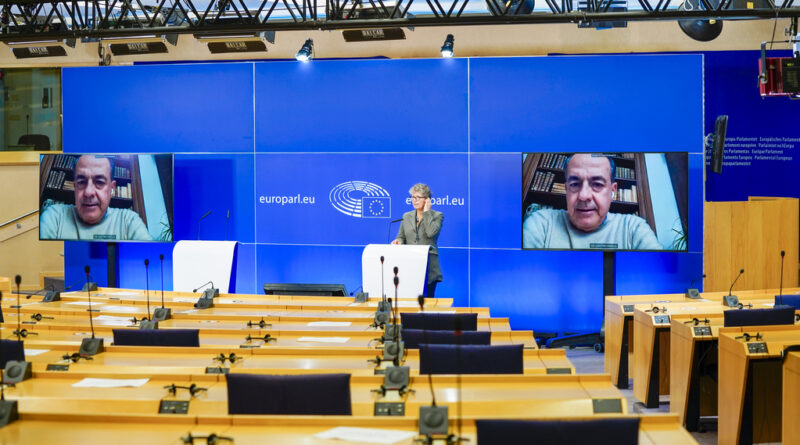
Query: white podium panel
[[197, 262], [412, 264]]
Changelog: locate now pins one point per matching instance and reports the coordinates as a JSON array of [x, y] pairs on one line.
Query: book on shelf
[[123, 191], [627, 195], [122, 172], [625, 173]]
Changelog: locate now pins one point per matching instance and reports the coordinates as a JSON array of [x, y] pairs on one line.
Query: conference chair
[[11, 350], [439, 322], [157, 337], [609, 431], [759, 317], [40, 142], [414, 337], [313, 394], [470, 359]]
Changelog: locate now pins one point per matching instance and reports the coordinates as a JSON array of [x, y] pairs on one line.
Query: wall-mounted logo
[[361, 199]]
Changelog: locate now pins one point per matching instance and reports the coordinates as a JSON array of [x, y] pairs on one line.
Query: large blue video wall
[[269, 147]]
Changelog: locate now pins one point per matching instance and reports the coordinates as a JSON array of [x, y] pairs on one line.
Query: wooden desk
[[486, 396], [251, 430], [618, 316], [140, 361], [791, 403], [693, 367], [750, 381], [651, 354]]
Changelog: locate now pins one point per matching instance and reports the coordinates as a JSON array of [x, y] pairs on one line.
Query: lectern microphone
[[779, 297], [732, 300]]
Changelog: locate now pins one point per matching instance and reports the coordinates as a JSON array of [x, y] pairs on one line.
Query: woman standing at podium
[[422, 226]]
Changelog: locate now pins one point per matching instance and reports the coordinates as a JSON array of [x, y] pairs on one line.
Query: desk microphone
[[18, 332], [692, 292], [162, 313], [201, 220], [8, 408], [211, 292], [433, 420], [90, 346], [780, 291], [732, 300], [149, 323], [389, 230]]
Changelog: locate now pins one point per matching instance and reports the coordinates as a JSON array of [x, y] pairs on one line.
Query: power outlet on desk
[[173, 407], [661, 319], [390, 408], [217, 370], [702, 330], [757, 348], [56, 367]]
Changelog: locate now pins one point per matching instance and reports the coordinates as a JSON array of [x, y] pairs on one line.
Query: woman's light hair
[[422, 189]]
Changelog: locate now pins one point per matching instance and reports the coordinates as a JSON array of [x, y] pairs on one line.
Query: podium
[[411, 261], [197, 262]]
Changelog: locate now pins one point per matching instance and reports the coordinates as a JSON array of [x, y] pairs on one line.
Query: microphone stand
[[162, 313], [19, 332], [149, 323], [780, 291], [90, 346]]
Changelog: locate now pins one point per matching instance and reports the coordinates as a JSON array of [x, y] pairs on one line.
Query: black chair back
[[313, 394], [11, 350], [439, 322], [759, 317], [41, 142], [157, 337], [610, 431], [470, 359], [415, 337]]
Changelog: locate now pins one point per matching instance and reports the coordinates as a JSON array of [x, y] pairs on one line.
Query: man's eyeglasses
[[416, 198]]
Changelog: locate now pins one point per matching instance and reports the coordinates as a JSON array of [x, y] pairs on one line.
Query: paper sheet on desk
[[184, 300], [367, 435], [34, 352], [110, 383], [329, 324], [769, 304], [111, 320], [325, 339]]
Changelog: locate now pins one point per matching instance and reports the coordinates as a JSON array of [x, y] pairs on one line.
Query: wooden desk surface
[[255, 430], [735, 358], [488, 397]]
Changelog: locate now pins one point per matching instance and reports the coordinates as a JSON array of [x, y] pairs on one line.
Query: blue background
[[459, 125]]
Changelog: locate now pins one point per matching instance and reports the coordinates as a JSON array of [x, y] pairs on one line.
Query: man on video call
[[587, 223], [91, 218]]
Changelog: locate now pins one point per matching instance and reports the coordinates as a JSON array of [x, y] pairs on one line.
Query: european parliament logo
[[361, 199]]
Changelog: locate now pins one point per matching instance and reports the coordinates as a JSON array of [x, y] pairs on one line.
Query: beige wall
[[21, 252], [497, 40]]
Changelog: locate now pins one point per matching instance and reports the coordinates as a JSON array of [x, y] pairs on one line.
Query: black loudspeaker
[[362, 297], [8, 412], [396, 377], [718, 143], [89, 287], [148, 325], [51, 296], [91, 346], [314, 290], [162, 313], [730, 301], [17, 371], [204, 303], [433, 421]]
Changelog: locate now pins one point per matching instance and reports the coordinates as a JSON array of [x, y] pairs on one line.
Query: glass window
[[30, 109]]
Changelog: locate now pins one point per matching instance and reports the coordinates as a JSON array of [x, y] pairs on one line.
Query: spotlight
[[447, 48], [306, 52], [699, 29]]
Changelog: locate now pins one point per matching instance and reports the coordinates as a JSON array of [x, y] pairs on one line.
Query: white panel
[[197, 262], [411, 261]]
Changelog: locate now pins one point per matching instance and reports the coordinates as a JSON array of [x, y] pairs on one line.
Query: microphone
[[361, 297], [7, 407], [201, 220], [389, 230], [382, 306], [780, 289], [162, 313], [148, 323], [433, 420], [732, 300], [210, 293], [90, 346], [18, 332], [691, 292]]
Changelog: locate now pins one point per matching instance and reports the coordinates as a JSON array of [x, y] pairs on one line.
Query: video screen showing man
[[90, 217], [589, 188]]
